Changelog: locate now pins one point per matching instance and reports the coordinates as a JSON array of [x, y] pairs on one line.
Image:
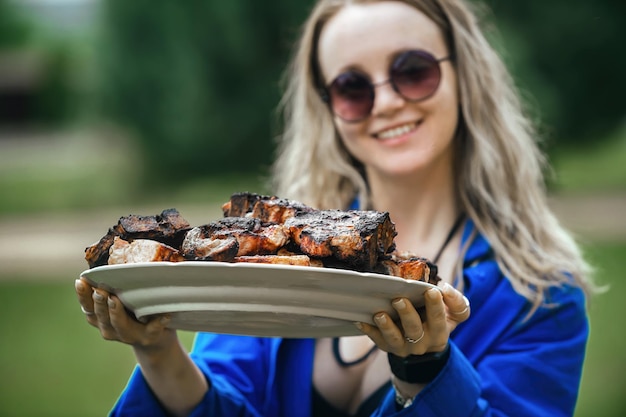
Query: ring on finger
[[413, 341], [87, 312]]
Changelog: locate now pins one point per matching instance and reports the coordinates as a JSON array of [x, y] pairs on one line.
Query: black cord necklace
[[345, 364], [451, 233], [337, 353]]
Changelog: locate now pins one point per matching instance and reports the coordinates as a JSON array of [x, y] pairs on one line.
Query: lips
[[396, 131]]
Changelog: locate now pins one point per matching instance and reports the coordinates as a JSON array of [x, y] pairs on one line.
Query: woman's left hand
[[444, 308]]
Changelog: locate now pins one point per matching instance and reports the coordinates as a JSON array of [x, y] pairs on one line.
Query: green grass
[[598, 168], [54, 364], [604, 373], [87, 168]]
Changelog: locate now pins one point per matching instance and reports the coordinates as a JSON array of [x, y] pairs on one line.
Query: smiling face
[[399, 138]]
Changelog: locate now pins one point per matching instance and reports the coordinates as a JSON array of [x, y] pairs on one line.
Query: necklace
[[451, 233], [446, 242], [344, 364]]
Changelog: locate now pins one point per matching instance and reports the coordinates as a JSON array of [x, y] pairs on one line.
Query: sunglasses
[[415, 75]]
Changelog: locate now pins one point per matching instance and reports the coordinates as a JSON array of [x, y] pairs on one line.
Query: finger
[[84, 293], [373, 333], [126, 328], [101, 309], [131, 331], [391, 334], [436, 324], [409, 318], [457, 304]]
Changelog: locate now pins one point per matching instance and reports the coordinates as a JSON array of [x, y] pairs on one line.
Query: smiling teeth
[[397, 131]]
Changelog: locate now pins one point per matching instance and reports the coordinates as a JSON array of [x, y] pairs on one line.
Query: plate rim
[[312, 273]]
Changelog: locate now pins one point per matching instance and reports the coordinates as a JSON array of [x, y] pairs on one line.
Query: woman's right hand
[[105, 312], [173, 377]]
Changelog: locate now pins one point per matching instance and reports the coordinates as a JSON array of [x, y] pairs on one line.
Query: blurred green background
[[111, 107]]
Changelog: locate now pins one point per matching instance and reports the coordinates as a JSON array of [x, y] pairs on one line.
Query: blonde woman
[[399, 106]]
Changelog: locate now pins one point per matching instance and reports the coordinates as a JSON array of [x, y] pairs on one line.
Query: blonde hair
[[500, 167]]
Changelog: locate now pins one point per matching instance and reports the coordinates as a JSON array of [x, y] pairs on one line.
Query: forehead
[[365, 34]]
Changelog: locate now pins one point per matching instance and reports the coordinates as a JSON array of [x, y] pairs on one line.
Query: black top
[[322, 408]]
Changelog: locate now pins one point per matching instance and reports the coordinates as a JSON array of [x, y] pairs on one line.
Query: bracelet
[[401, 400], [418, 369]]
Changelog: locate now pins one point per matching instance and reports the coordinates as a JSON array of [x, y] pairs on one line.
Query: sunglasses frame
[[325, 94]]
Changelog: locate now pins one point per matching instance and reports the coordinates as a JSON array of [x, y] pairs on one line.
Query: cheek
[[349, 134]]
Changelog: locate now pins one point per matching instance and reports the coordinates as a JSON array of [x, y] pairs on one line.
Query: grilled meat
[[240, 204], [418, 269], [198, 247], [268, 209], [265, 229], [299, 260], [358, 238], [141, 250], [233, 236], [169, 228]]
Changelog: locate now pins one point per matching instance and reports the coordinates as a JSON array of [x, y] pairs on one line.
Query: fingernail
[[380, 319], [79, 285], [432, 294], [97, 296], [466, 301], [111, 303], [358, 325], [447, 288], [399, 304]]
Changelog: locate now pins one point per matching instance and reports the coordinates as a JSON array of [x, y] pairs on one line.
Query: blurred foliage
[[197, 81], [50, 98], [567, 55], [15, 30]]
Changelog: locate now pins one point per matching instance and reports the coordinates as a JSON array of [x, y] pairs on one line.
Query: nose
[[386, 99]]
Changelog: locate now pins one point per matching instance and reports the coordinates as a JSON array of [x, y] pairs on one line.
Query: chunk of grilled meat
[[141, 250], [357, 238], [298, 260], [268, 209], [418, 269], [240, 204], [233, 236], [169, 228]]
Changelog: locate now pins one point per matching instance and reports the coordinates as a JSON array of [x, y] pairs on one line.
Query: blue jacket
[[502, 362]]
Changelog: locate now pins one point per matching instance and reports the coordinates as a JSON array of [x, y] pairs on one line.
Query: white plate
[[255, 299]]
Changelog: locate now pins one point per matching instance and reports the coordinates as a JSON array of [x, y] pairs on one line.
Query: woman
[[399, 106]]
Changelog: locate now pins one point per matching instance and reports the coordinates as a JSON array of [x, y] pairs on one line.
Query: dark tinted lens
[[415, 75], [351, 96]]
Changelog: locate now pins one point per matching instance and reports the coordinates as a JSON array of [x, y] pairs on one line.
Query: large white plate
[[255, 299]]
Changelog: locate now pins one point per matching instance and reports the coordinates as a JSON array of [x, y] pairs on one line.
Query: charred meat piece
[[418, 269], [141, 250], [98, 253], [278, 210], [358, 238], [197, 246], [268, 209], [233, 236], [299, 260], [400, 257], [240, 204], [169, 228]]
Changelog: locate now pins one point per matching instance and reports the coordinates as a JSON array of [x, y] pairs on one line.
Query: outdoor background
[[113, 107]]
